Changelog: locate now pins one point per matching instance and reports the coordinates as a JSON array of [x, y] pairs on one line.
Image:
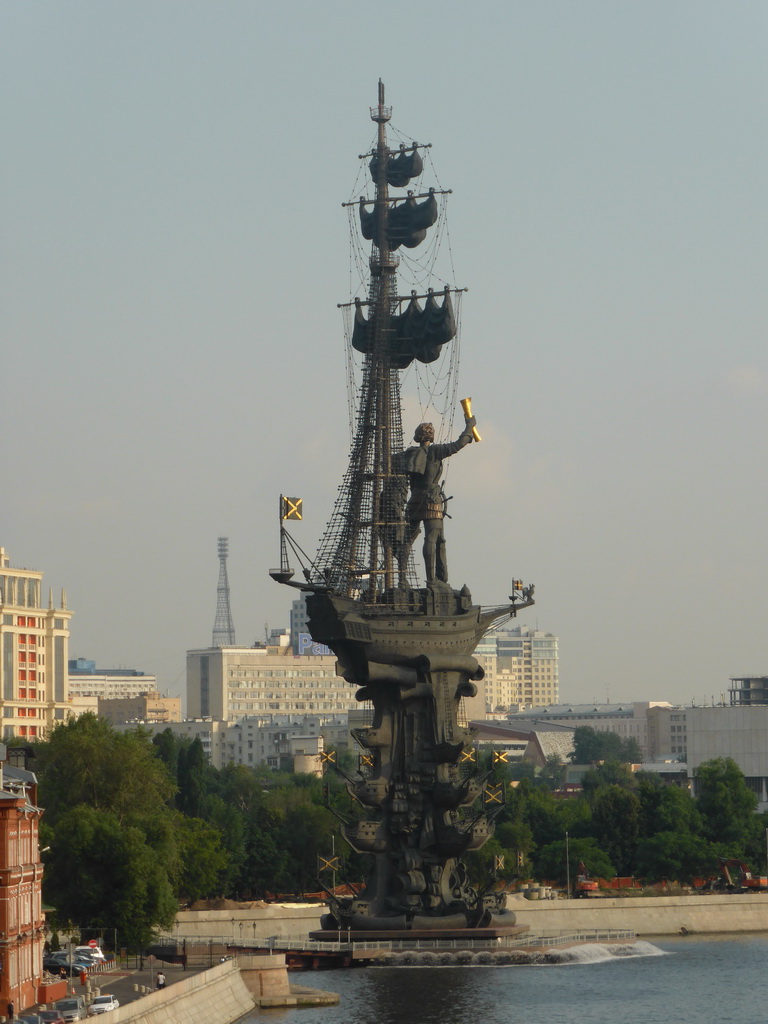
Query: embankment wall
[[249, 924], [653, 915], [217, 996]]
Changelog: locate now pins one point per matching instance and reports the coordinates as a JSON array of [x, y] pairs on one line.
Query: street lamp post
[[567, 867]]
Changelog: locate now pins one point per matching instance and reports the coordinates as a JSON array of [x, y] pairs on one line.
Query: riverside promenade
[[217, 995], [248, 926]]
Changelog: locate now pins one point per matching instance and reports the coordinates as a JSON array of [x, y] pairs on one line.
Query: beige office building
[[521, 668], [146, 707], [230, 683], [34, 650]]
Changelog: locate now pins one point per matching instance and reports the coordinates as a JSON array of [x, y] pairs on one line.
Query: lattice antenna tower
[[223, 627]]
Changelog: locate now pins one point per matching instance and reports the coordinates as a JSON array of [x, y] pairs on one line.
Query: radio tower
[[223, 627]]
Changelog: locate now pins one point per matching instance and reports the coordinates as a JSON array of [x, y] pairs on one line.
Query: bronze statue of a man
[[424, 467]]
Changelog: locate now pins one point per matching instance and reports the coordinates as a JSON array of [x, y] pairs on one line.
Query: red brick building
[[22, 925]]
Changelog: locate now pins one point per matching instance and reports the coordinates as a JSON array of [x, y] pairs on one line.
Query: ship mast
[[383, 266], [362, 554], [357, 552]]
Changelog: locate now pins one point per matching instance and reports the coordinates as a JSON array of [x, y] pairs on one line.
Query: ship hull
[[424, 804]]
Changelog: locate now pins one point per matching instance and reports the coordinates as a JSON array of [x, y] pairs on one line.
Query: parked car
[[73, 970], [94, 951], [72, 1009], [51, 1017], [30, 1018], [101, 1004]]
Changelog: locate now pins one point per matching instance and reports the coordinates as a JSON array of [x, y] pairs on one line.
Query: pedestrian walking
[[10, 1010], [160, 979]]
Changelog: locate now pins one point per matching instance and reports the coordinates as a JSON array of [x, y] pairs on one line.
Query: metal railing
[[348, 943]]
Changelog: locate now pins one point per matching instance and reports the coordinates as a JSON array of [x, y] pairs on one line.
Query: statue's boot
[[442, 564], [429, 563]]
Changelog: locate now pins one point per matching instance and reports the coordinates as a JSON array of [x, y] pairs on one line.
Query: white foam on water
[[597, 952], [589, 953]]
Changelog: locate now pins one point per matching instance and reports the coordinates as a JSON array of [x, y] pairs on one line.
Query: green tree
[[550, 860], [615, 821], [86, 761], [167, 746], [609, 773], [675, 856], [231, 827], [304, 831], [726, 804], [522, 769], [590, 745], [665, 808], [553, 772], [201, 862], [192, 767], [101, 870]]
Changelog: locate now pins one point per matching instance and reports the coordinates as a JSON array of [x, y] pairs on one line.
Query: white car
[[102, 1004], [95, 952]]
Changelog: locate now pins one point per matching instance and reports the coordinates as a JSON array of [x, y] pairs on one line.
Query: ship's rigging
[[391, 333]]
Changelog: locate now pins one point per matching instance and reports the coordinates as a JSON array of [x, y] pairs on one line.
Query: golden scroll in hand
[[466, 405]]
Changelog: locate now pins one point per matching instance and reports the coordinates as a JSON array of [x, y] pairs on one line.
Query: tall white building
[[521, 668], [34, 651]]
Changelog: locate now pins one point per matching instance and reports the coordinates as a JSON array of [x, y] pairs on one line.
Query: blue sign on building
[[308, 646]]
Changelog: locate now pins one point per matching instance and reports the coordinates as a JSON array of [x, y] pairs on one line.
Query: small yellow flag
[[292, 508]]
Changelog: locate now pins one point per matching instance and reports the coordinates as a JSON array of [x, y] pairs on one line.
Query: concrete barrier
[[704, 913], [217, 996], [246, 925]]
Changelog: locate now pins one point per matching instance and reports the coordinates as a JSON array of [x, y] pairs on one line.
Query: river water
[[691, 980]]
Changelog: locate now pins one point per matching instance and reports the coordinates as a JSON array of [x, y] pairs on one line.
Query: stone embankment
[[701, 913], [246, 924], [223, 994], [697, 914]]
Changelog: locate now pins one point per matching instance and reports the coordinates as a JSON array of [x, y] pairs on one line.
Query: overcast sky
[[173, 249]]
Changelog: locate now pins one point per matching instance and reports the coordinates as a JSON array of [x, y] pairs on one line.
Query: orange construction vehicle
[[584, 885], [742, 879]]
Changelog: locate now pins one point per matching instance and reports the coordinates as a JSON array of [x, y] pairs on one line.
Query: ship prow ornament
[[407, 646]]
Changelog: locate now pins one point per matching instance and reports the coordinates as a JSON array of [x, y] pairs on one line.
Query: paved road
[[124, 984]]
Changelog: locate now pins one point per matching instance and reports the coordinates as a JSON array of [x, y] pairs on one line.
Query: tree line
[[136, 826], [624, 822]]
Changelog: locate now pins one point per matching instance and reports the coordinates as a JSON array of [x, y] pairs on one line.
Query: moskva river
[[691, 980]]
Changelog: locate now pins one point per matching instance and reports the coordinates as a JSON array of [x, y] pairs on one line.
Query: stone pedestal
[[265, 977]]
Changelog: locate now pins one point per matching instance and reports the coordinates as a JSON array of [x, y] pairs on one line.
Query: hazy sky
[[173, 249]]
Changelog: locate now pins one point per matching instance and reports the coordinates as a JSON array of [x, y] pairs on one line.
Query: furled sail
[[400, 168], [407, 222], [417, 333]]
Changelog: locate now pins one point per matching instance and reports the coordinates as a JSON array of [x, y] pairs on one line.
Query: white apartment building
[[85, 680], [230, 683], [34, 648], [290, 743]]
